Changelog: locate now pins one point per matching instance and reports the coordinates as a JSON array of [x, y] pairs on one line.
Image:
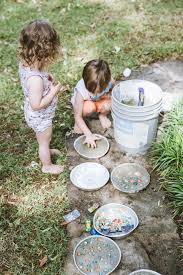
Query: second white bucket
[[135, 127]]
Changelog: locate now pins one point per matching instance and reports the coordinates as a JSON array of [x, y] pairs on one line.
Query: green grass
[[169, 151], [168, 158], [32, 204]]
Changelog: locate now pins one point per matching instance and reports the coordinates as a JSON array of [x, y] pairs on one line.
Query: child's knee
[[104, 106], [89, 108]]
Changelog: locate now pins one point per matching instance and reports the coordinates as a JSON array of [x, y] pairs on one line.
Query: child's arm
[[113, 81], [78, 111], [35, 86]]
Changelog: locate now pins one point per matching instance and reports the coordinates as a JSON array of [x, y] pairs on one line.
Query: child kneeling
[[92, 95]]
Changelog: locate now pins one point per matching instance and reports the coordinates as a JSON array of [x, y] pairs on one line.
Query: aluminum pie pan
[[115, 253], [121, 175], [109, 213], [92, 153], [89, 176], [144, 272]]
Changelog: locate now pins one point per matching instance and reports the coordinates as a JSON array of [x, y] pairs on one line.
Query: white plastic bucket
[[135, 127]]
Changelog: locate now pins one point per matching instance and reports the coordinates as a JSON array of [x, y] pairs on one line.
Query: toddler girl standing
[[39, 45]]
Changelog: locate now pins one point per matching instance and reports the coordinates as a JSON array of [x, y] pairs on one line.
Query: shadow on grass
[[24, 241]]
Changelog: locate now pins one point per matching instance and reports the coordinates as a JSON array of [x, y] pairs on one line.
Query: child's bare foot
[[52, 169], [77, 130], [105, 122], [55, 152]]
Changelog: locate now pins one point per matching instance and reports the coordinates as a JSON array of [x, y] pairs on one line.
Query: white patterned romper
[[40, 120]]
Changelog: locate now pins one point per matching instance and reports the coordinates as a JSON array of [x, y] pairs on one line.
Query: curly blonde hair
[[38, 42]]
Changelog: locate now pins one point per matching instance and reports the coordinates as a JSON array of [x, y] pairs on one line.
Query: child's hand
[[55, 89], [64, 88], [58, 88], [52, 80], [90, 140]]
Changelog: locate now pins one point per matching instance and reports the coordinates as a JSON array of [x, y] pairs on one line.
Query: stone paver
[[154, 244]]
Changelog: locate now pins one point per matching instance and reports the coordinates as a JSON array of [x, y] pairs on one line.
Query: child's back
[[38, 120]]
